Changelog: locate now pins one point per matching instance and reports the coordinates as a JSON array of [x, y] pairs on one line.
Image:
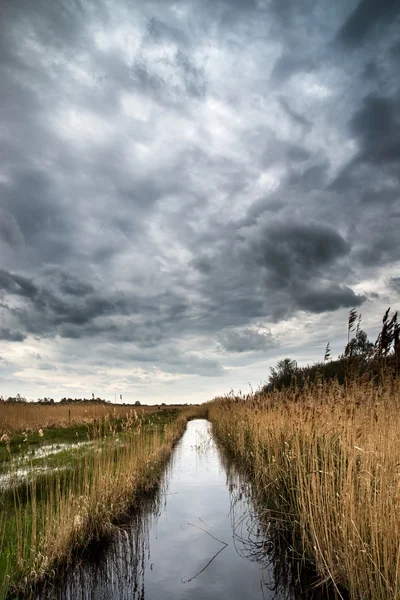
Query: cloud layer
[[189, 190]]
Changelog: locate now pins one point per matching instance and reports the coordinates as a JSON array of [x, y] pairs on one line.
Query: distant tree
[[359, 346], [17, 398], [137, 403], [282, 375]]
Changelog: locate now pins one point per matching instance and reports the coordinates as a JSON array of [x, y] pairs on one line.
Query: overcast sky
[[191, 190]]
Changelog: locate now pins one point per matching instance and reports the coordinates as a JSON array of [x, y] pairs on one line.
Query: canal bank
[[198, 537]]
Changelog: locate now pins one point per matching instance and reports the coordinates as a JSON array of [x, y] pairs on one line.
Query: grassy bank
[[53, 514], [83, 428], [326, 461]]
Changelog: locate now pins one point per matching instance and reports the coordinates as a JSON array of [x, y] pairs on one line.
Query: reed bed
[[29, 416], [48, 519], [326, 462]]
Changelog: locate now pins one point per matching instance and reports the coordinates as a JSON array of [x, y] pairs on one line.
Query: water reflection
[[259, 537], [200, 537]]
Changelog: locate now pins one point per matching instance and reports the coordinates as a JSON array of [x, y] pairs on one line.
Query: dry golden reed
[[327, 459], [28, 416]]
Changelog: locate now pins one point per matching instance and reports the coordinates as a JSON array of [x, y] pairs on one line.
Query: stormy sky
[[191, 190]]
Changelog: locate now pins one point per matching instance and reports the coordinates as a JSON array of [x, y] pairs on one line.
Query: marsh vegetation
[[62, 488], [324, 457]]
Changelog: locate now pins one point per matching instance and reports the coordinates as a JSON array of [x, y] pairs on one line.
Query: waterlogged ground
[[199, 538], [44, 459], [24, 456]]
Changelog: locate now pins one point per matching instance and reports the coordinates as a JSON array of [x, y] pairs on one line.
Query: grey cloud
[[292, 251], [17, 284], [288, 10], [73, 308], [366, 17], [158, 29], [49, 309], [377, 124], [11, 335], [246, 340], [261, 206], [47, 367], [296, 117], [202, 264], [74, 287], [31, 203], [192, 364], [298, 153], [183, 78], [314, 177], [394, 284], [380, 243], [167, 357], [287, 64], [371, 70], [9, 229], [329, 298]]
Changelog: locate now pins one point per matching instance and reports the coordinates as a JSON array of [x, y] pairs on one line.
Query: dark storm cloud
[[380, 248], [291, 252], [71, 308], [246, 340], [176, 175], [330, 298], [11, 335], [73, 287], [270, 270], [365, 18], [18, 285], [45, 308], [377, 125]]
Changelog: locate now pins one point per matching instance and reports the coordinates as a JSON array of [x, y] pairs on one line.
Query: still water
[[199, 538]]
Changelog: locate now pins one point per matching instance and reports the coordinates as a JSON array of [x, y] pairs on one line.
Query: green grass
[[54, 435], [73, 434]]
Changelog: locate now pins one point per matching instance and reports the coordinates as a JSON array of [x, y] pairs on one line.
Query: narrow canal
[[198, 539]]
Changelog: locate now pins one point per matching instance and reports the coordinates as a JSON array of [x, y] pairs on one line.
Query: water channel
[[199, 538]]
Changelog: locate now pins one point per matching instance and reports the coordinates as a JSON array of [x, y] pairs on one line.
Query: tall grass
[[46, 520], [326, 461], [28, 416]]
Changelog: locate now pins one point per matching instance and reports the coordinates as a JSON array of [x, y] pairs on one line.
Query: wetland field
[[64, 486]]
